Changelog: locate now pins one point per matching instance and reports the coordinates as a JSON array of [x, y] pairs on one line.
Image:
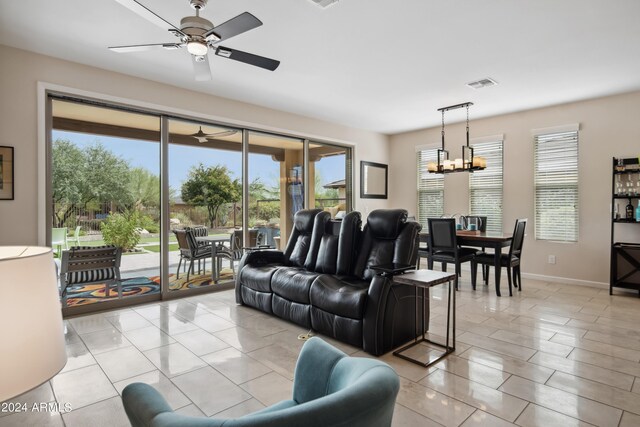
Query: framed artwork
[[6, 173], [373, 180]]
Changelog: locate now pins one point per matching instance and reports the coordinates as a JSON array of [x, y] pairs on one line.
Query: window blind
[[485, 186], [430, 188], [556, 186]]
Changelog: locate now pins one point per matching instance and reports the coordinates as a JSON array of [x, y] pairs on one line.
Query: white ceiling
[[372, 64]]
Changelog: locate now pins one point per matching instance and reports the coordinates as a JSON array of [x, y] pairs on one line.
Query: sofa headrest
[[303, 220], [386, 223]]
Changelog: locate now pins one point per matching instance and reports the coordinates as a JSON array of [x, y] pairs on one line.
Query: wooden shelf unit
[[625, 256]]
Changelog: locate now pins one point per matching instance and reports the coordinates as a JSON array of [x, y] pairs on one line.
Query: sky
[[146, 154]]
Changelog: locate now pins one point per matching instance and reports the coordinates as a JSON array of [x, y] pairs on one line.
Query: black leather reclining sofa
[[322, 280]]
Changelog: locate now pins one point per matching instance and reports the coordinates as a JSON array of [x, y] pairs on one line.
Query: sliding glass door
[[168, 192], [276, 186], [330, 173], [105, 190], [205, 204]]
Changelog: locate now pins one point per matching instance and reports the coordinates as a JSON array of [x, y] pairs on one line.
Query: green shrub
[[120, 230], [147, 222]]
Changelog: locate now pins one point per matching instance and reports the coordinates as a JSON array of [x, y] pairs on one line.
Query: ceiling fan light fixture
[[197, 48]]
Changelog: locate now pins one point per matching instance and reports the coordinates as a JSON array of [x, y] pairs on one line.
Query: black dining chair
[[510, 261], [482, 227], [443, 246]]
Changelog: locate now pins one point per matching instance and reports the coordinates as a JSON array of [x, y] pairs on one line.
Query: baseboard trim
[[566, 280], [541, 277]]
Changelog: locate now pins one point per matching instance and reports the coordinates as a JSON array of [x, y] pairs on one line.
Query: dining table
[[483, 240], [214, 241]]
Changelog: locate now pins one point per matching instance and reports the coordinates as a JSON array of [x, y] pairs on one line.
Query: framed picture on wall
[[373, 180], [6, 173]]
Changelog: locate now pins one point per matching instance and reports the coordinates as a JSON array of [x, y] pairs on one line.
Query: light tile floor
[[552, 355]]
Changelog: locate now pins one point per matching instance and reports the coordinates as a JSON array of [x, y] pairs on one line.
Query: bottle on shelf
[[638, 213], [629, 211], [616, 212]]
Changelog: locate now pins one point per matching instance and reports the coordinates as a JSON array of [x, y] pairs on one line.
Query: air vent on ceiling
[[479, 84], [325, 3]]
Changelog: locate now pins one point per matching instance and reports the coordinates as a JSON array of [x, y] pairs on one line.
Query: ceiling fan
[[198, 35], [204, 137]]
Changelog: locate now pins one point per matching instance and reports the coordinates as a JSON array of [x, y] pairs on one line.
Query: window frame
[[494, 222], [558, 174], [424, 155]]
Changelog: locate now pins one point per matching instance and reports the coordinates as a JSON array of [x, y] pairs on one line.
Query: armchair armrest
[[145, 407], [313, 370]]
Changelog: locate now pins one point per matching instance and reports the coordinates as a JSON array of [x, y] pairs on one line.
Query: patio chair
[[190, 250], [88, 265], [234, 251], [76, 236], [59, 239]]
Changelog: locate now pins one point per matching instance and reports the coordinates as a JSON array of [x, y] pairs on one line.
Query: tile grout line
[[522, 412], [419, 414]]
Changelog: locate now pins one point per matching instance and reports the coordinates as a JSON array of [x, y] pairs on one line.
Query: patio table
[[213, 242]]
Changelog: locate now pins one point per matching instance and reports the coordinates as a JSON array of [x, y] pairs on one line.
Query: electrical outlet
[[552, 259]]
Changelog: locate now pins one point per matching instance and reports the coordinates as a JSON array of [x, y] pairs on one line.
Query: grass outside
[[151, 244], [156, 248]]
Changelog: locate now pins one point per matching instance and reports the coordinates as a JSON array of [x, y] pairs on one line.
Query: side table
[[423, 280]]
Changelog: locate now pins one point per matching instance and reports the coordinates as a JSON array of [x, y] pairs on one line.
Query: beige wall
[[20, 72], [608, 128]]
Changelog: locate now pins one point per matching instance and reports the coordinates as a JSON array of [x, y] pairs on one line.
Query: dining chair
[[511, 260], [443, 246], [191, 251], [481, 220], [423, 248], [59, 239]]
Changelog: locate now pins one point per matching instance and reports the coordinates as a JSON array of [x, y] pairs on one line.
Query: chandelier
[[468, 162]]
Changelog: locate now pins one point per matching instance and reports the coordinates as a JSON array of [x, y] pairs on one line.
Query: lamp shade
[[33, 345]]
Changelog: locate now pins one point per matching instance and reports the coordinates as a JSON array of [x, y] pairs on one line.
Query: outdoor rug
[[197, 280], [96, 292]]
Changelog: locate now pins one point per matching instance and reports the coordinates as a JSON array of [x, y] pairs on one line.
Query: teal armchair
[[329, 389]]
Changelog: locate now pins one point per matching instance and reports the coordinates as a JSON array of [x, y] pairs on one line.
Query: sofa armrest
[[263, 257], [256, 258], [389, 318], [373, 325]]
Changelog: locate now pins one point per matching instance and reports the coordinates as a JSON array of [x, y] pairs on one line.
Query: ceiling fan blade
[[201, 68], [146, 13], [143, 47], [221, 134], [248, 58], [234, 26]]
